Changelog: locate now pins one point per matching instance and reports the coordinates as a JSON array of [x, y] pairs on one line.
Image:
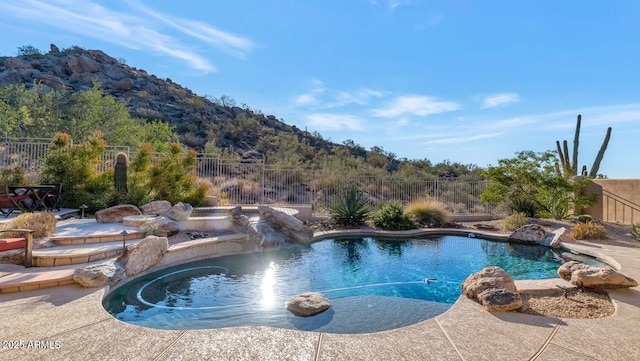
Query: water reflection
[[353, 248], [267, 287]]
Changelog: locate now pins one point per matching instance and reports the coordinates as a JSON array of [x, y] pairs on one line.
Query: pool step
[[98, 238], [16, 278], [77, 253]]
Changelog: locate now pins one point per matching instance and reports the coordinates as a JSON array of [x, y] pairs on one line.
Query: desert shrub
[[522, 205], [635, 231], [589, 230], [428, 212], [515, 220], [391, 216], [350, 207], [12, 175], [42, 223]]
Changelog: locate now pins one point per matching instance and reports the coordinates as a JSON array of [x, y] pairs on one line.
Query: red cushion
[[12, 243]]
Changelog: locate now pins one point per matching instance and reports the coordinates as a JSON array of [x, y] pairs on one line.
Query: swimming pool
[[374, 284]]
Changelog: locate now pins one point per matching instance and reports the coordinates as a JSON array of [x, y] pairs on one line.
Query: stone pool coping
[[69, 322]]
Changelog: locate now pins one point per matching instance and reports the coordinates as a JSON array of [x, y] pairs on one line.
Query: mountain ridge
[[196, 119]]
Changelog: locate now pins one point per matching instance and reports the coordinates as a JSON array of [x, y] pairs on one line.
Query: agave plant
[[350, 207], [636, 231]]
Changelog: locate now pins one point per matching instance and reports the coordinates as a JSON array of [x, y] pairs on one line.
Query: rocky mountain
[[196, 119]]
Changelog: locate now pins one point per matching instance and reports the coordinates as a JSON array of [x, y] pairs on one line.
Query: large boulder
[[125, 84], [99, 275], [179, 212], [500, 300], [531, 233], [17, 63], [294, 230], [555, 238], [141, 256], [494, 289], [156, 208], [52, 81], [161, 227], [287, 220], [583, 275], [308, 304], [116, 213], [87, 64]]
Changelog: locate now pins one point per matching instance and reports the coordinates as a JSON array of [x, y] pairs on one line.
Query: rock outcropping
[[272, 228], [494, 289], [150, 97], [143, 255], [583, 275]]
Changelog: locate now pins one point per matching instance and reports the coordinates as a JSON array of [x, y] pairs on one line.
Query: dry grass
[[42, 223], [428, 212], [589, 230], [515, 221]]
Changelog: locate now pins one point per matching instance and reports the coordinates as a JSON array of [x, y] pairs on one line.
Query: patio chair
[[25, 241], [9, 201], [51, 199]]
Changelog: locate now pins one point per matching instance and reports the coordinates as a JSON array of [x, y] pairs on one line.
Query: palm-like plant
[[350, 207]]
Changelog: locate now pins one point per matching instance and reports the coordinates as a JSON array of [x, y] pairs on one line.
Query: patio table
[[37, 193]]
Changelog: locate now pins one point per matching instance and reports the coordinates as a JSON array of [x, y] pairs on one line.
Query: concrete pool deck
[[69, 323]]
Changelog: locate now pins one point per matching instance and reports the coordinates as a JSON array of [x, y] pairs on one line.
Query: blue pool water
[[373, 284]]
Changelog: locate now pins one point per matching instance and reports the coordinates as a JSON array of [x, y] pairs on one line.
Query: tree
[[74, 168], [38, 113], [171, 178], [28, 50], [531, 178]]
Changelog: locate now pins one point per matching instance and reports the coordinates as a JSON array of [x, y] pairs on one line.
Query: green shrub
[[74, 167], [635, 231], [391, 217], [171, 178], [589, 230], [428, 212], [515, 221], [350, 207]]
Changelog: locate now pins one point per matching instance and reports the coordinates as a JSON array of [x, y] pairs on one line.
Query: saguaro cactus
[[120, 173], [570, 165]]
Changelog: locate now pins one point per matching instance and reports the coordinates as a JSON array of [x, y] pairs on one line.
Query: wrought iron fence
[[254, 182]]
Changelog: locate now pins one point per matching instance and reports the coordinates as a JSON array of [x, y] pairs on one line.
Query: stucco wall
[[618, 200]]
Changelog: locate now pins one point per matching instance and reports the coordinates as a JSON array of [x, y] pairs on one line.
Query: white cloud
[[131, 30], [325, 121], [496, 100], [417, 105], [224, 41], [463, 139], [306, 99], [360, 96], [514, 122]]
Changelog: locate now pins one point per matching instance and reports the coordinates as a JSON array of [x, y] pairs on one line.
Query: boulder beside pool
[[494, 289], [308, 304]]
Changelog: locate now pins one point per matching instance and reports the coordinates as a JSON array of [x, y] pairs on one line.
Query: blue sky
[[466, 81]]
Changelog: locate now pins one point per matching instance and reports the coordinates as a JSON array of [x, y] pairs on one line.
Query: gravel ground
[[577, 304]]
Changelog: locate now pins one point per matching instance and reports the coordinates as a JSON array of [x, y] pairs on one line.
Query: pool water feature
[[217, 219], [374, 284]]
